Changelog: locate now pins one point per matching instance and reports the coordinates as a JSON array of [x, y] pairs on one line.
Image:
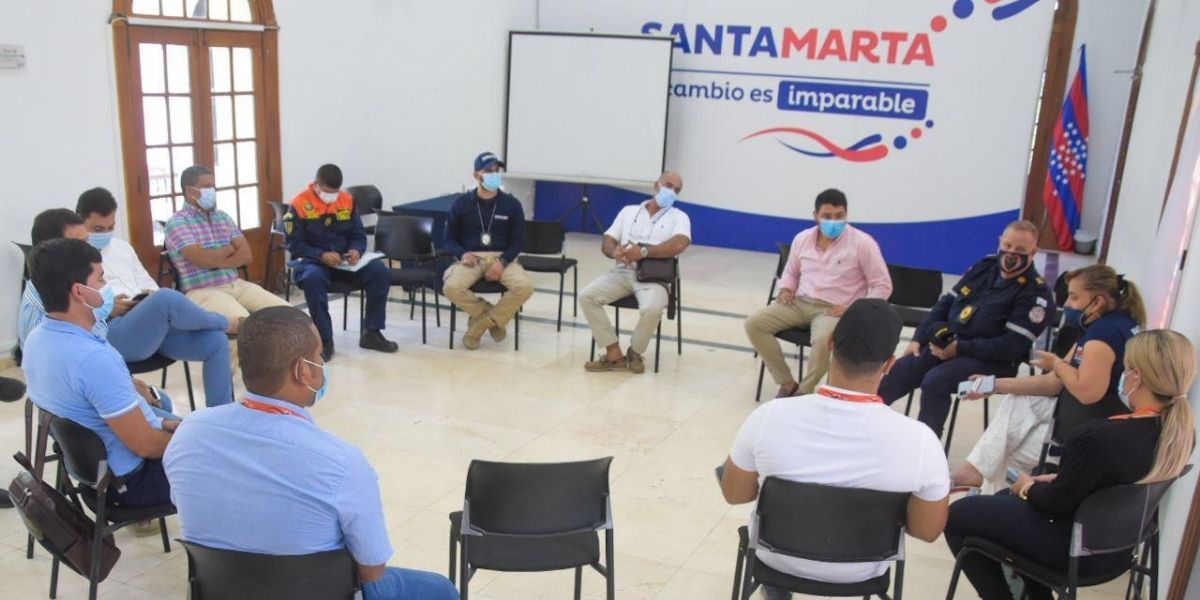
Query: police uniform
[[996, 322], [312, 228]]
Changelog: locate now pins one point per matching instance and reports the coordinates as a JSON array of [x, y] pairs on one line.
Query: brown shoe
[[636, 365], [787, 391], [475, 329], [498, 333], [602, 365], [145, 528]]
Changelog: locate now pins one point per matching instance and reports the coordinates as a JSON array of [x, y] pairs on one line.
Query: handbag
[[59, 524], [656, 270]]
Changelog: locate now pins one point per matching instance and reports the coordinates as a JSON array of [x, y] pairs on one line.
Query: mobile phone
[[140, 297], [1011, 475], [984, 385], [720, 472]]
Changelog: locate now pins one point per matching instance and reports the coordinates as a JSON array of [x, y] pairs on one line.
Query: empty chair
[[231, 575], [546, 252], [532, 517], [822, 523]]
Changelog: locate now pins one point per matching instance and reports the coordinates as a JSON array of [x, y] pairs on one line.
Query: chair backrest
[[1118, 518], [367, 198], [278, 210], [919, 288], [404, 238], [544, 237], [828, 523], [25, 248], [230, 574], [537, 498], [784, 251], [1060, 289], [83, 452]]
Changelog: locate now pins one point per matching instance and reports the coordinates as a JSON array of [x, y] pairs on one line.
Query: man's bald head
[[669, 179], [270, 343]]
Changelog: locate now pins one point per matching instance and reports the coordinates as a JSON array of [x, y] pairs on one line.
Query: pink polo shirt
[[850, 268]]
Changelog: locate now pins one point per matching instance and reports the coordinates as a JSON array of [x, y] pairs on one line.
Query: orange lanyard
[[1138, 414], [271, 408], [835, 394]]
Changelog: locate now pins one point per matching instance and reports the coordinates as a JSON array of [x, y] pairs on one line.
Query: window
[[197, 82]]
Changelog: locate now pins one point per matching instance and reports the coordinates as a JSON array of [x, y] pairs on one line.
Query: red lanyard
[[829, 392], [1137, 414], [271, 408]]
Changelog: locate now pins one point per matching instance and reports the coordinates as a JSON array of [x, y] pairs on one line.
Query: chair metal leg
[[747, 570], [437, 307], [1072, 578], [452, 572], [362, 311], [737, 574], [423, 297], [986, 410], [575, 292], [657, 344], [412, 304], [762, 368], [54, 579], [1154, 567], [610, 578], [898, 583], [562, 283], [578, 582], [163, 385], [345, 310], [463, 569], [908, 405], [187, 378], [517, 332], [162, 528], [954, 576], [453, 315], [953, 420], [678, 317]]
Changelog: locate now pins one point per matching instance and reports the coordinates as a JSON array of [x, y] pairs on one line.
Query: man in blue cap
[[485, 232]]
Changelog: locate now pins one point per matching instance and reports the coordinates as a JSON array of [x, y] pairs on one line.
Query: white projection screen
[[588, 108]]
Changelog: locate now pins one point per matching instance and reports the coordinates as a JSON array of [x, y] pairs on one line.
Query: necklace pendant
[[486, 239]]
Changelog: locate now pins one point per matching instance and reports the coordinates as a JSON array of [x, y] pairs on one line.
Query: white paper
[[362, 262]]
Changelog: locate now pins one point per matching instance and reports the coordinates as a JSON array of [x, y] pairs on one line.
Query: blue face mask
[[492, 181], [1073, 317], [320, 393], [100, 241], [106, 305], [832, 229], [208, 198], [1121, 391], [665, 197]]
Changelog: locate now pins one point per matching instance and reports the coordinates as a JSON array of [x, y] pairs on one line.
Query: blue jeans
[[409, 584], [167, 322]]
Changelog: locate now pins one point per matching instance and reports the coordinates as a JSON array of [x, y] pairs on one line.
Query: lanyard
[[829, 392], [1138, 414], [270, 408]]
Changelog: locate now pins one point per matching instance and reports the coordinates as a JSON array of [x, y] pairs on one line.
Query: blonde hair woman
[[1109, 310], [1151, 443]]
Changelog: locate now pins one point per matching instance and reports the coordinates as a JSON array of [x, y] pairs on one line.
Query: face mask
[[320, 393], [492, 181], [106, 303], [326, 197], [832, 229], [208, 198], [1073, 317], [665, 197], [1012, 263], [1121, 391], [100, 240]]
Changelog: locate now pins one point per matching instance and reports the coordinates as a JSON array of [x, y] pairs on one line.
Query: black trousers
[[145, 487], [1014, 524]]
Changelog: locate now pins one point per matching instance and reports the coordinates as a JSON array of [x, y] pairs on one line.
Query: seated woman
[[1109, 310], [1151, 444]]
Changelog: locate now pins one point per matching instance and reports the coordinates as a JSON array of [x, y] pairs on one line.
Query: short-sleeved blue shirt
[[77, 375], [1113, 329]]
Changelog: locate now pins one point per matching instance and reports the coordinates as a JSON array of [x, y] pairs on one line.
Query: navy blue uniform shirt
[[471, 215]]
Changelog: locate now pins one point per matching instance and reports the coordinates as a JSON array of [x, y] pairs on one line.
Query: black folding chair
[[674, 312], [534, 517], [277, 243], [86, 461], [367, 201], [232, 575], [36, 451], [409, 242], [547, 238], [827, 524], [914, 292], [1121, 518], [338, 287], [800, 336]]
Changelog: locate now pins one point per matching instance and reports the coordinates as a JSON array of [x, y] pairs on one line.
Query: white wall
[[58, 132], [1111, 29]]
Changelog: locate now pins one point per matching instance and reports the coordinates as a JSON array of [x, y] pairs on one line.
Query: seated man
[[75, 374], [652, 229], [485, 231], [207, 249], [844, 436], [324, 231], [830, 266], [986, 325], [260, 476], [162, 322]]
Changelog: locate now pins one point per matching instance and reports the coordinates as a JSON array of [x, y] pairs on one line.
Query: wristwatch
[[645, 252]]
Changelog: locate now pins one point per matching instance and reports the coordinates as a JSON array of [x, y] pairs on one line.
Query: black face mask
[[1012, 263]]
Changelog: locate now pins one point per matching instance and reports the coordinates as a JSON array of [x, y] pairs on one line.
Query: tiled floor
[[421, 415]]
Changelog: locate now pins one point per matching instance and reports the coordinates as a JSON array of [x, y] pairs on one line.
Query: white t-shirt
[[824, 440], [123, 269], [634, 224]]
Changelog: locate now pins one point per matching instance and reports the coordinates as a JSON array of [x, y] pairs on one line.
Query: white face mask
[[326, 197]]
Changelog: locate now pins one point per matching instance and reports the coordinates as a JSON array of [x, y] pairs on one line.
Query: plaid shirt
[[192, 226]]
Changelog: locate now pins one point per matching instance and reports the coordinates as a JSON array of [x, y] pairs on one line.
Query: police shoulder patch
[[1037, 314]]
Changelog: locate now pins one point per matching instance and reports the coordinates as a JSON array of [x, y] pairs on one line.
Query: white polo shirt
[[634, 224], [824, 440], [123, 269]]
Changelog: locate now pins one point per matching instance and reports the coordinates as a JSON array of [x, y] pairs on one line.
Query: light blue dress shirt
[[77, 375], [253, 481]]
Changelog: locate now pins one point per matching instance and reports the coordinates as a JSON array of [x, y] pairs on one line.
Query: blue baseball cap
[[486, 160]]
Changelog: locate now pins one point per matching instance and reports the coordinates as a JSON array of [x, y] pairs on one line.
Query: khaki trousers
[[460, 278], [235, 300], [762, 326], [614, 285]]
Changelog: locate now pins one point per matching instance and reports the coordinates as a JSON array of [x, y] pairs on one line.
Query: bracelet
[[1024, 493]]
